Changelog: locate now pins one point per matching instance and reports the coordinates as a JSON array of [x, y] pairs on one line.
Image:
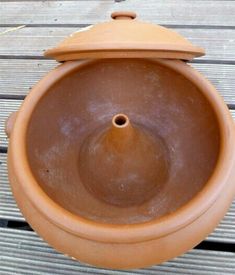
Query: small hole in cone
[[120, 120]]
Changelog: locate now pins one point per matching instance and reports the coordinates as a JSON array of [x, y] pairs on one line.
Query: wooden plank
[[167, 12], [222, 77], [31, 42], [23, 252], [8, 207], [19, 75]]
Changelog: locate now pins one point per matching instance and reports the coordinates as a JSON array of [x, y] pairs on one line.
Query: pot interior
[[158, 101]]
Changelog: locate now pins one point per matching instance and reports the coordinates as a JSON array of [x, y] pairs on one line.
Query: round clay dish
[[173, 110]]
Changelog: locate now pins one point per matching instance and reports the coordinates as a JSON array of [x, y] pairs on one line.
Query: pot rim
[[121, 233]]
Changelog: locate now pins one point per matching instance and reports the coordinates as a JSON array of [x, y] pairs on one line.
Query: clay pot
[[123, 162]]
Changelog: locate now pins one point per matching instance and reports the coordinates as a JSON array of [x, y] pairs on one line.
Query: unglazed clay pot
[[123, 159]]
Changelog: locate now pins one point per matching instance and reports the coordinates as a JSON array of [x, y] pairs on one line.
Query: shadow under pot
[[122, 161]]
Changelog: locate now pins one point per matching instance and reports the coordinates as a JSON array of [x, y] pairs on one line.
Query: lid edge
[[152, 51]]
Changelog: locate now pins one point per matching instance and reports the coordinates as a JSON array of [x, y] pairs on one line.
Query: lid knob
[[124, 15]]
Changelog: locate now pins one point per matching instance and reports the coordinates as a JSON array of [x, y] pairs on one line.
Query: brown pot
[[125, 160]]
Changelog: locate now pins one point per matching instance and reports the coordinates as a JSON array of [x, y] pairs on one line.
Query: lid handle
[[123, 15]]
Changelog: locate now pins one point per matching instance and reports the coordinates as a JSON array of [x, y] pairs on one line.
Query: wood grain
[[167, 12]]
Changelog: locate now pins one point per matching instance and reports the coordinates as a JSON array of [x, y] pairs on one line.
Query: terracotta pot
[[122, 162]]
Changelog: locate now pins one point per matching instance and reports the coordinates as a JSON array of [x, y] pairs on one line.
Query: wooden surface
[[25, 252], [165, 12], [210, 24]]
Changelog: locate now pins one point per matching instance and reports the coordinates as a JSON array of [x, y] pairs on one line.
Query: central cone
[[123, 164]]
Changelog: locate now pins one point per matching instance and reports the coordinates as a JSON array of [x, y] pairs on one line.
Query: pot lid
[[124, 37]]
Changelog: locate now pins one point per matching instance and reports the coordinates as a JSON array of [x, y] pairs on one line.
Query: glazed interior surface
[[157, 100]]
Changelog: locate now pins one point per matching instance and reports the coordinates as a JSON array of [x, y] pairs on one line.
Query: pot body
[[123, 254]]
